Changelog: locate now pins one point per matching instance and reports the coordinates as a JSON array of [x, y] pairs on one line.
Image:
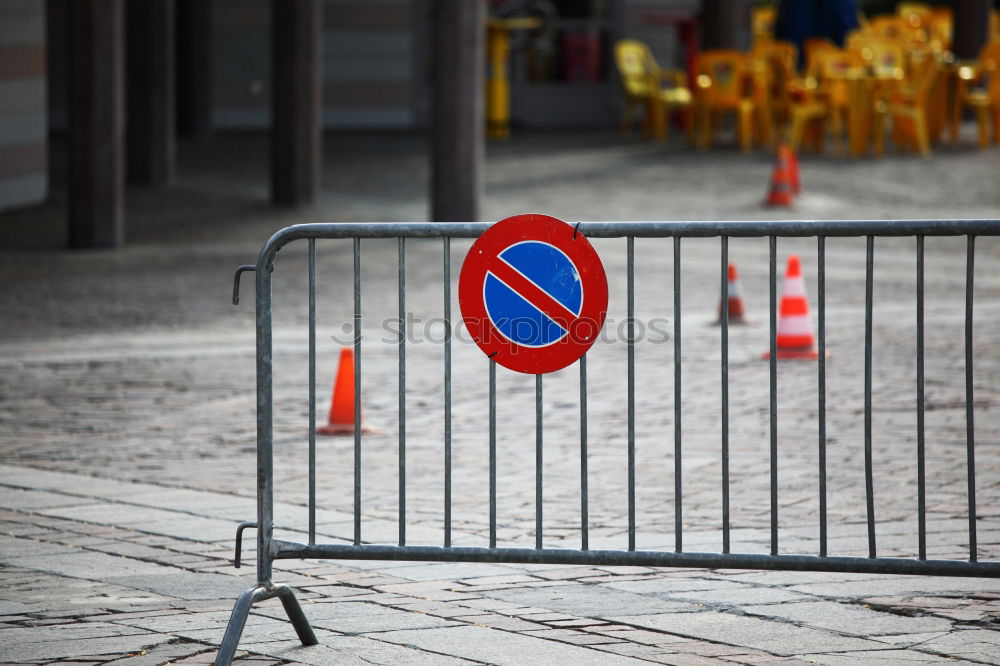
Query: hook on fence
[[239, 542], [236, 281]]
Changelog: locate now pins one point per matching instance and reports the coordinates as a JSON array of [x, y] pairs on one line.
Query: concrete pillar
[[96, 123], [296, 101], [195, 60], [458, 117], [149, 74], [970, 28]]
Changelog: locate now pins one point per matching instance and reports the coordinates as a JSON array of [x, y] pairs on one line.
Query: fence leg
[[238, 618], [295, 614]]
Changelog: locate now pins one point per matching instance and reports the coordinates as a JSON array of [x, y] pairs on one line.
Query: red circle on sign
[[572, 314]]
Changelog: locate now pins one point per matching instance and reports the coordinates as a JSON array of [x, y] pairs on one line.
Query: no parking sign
[[533, 293]]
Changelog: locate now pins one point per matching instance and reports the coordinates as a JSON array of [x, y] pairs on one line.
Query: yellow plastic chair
[[775, 63], [812, 48], [827, 105], [724, 84], [909, 109], [983, 95], [889, 26], [939, 30], [647, 84], [835, 70], [763, 19], [915, 14]]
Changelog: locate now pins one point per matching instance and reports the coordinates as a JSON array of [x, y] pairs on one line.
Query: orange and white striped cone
[[794, 339], [792, 164], [780, 192], [341, 419], [736, 311]]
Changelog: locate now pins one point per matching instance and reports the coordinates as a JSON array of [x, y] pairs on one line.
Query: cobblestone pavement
[[127, 406]]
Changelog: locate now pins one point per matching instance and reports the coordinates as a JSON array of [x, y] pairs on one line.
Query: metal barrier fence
[[270, 549]]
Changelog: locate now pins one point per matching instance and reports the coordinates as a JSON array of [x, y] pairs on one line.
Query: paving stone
[[849, 619], [499, 622], [61, 649], [27, 499], [980, 645], [164, 653], [185, 585], [739, 597], [86, 564], [749, 632], [9, 608], [885, 657], [170, 523], [338, 649], [589, 600], [359, 618], [13, 547], [449, 571], [498, 647], [669, 585], [874, 586]]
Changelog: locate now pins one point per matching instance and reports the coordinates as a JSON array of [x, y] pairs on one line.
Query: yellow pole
[[498, 85]]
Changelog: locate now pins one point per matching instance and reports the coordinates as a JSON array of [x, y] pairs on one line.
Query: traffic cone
[[341, 419], [781, 184], [737, 314], [795, 335], [792, 163]]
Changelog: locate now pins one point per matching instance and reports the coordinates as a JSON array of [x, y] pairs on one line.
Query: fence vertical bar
[[446, 270], [402, 390], [312, 391], [493, 453], [821, 388], [265, 426], [773, 386], [869, 480], [970, 430], [357, 391], [921, 454], [724, 320], [630, 342], [678, 401], [584, 499], [539, 460]]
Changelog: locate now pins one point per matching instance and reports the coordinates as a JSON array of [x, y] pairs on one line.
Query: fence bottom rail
[[648, 558]]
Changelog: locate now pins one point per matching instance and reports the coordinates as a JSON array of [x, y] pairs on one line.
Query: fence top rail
[[647, 229]]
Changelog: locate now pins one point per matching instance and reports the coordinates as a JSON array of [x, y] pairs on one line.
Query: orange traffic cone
[[795, 336], [781, 184], [737, 314], [792, 163], [341, 419]]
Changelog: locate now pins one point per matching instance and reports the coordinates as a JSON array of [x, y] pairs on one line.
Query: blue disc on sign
[[533, 293], [517, 318]]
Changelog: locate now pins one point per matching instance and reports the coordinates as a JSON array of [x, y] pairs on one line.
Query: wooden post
[[195, 60], [296, 101], [96, 123], [971, 27], [458, 120], [149, 73]]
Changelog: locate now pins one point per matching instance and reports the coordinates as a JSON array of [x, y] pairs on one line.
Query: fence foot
[[295, 614], [241, 610]]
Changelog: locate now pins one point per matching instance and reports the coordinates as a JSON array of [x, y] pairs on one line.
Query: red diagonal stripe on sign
[[532, 293]]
